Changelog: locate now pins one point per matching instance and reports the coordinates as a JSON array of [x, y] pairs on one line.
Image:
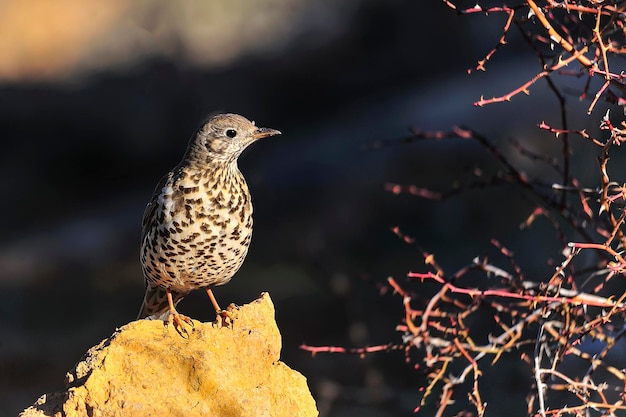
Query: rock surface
[[147, 369]]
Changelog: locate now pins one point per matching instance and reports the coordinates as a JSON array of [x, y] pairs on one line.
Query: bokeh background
[[98, 100]]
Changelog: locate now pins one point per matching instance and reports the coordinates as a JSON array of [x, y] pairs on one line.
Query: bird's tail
[[155, 302]]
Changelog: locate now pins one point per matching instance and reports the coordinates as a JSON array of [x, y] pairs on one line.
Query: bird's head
[[224, 137]]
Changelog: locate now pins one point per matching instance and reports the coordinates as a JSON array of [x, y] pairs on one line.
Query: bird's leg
[[174, 317], [223, 317]]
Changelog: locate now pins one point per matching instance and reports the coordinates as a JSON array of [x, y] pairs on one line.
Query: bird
[[197, 227]]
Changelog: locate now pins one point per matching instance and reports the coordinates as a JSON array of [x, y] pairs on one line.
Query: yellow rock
[[146, 369]]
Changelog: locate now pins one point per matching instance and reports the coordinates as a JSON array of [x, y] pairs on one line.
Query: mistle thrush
[[197, 227]]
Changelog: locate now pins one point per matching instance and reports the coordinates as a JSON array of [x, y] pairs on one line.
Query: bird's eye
[[231, 133]]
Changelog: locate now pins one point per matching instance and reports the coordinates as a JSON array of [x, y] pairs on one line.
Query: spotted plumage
[[197, 228]]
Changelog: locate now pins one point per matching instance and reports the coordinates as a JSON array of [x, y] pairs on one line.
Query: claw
[[179, 321], [223, 319]]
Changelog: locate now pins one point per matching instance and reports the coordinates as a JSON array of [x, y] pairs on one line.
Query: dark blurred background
[[98, 100]]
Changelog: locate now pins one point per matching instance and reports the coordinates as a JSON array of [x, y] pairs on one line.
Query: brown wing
[[149, 214]]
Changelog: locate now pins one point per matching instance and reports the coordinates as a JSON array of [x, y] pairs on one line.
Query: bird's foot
[[180, 322], [224, 318]]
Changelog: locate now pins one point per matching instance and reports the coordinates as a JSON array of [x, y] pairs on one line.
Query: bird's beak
[[264, 132]]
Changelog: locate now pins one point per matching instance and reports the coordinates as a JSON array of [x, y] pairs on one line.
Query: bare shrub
[[575, 315]]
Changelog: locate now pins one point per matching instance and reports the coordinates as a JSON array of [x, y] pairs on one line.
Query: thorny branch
[[568, 327], [544, 25]]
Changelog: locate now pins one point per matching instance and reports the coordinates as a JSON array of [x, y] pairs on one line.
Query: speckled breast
[[202, 231]]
